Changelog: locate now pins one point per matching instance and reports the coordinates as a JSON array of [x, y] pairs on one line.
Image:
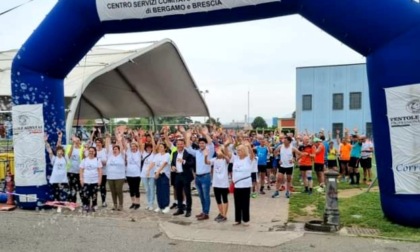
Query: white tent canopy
[[107, 83]]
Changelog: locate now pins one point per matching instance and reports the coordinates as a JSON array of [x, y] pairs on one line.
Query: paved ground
[[133, 229], [49, 231], [267, 216]]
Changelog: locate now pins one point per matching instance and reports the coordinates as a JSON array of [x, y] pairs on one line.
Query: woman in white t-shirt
[[162, 175], [58, 178], [75, 154], [220, 180], [133, 161], [90, 178], [116, 176], [102, 155], [241, 177]]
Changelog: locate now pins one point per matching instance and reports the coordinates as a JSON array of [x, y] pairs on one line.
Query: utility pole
[[247, 120]]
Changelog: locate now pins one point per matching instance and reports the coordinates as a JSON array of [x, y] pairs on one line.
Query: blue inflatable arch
[[387, 32]]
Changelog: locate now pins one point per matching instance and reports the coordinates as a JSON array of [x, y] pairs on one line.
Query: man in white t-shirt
[[366, 159]]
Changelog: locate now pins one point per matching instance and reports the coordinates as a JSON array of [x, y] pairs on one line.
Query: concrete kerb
[[267, 226], [239, 237]]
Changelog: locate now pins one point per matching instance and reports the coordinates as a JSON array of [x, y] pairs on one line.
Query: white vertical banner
[[403, 105], [29, 145]]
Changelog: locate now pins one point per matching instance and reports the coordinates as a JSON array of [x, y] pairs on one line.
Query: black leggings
[[74, 187], [221, 195], [90, 191], [134, 185], [59, 190], [102, 190], [241, 196]]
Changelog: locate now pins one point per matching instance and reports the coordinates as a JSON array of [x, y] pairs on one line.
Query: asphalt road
[[30, 231]]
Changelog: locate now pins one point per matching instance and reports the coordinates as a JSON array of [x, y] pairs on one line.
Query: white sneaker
[[157, 210], [150, 208], [166, 210]]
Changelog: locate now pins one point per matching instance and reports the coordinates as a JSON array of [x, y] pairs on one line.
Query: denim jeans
[[203, 184], [162, 191], [149, 185]]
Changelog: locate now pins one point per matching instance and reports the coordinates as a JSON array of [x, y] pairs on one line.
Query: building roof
[[337, 65], [108, 83]]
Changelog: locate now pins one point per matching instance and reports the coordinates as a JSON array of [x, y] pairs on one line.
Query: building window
[[355, 100], [369, 129], [307, 102], [339, 127], [338, 100]]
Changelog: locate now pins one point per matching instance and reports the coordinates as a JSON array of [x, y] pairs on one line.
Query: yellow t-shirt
[[332, 154]]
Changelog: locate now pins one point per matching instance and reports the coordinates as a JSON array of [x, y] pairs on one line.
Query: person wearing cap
[[356, 151], [366, 159], [319, 161]]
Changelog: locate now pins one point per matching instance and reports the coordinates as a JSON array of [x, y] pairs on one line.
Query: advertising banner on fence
[[139, 9], [29, 146], [403, 105]]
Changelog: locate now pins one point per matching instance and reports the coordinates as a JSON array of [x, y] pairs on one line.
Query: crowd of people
[[238, 161]]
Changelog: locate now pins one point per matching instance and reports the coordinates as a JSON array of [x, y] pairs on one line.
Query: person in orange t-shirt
[[319, 161], [345, 149], [305, 163]]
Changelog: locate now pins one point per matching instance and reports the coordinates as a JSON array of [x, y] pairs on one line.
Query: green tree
[[213, 121], [89, 125], [172, 121], [259, 123], [138, 122], [121, 122], [184, 120]]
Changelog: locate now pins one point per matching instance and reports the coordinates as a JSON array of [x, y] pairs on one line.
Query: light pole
[[203, 93]]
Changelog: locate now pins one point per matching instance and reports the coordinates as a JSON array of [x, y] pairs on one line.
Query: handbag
[[143, 160], [232, 184]]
